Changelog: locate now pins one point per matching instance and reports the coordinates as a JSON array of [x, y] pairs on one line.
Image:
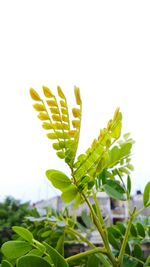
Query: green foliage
[[146, 195], [105, 166], [12, 212], [32, 261], [6, 264], [58, 179]]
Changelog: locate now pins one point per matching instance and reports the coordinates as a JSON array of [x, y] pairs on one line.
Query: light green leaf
[[70, 193], [24, 233], [129, 184], [32, 261], [60, 245], [58, 179], [36, 252], [125, 149], [57, 259], [147, 263], [15, 249], [146, 195], [113, 193]]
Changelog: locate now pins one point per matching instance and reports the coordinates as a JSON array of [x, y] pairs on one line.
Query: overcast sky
[[101, 46]]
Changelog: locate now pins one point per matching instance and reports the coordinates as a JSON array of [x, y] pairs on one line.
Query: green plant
[[105, 166]]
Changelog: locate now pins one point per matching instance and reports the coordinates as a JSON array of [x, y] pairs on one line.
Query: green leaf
[[58, 179], [114, 156], [116, 185], [113, 241], [6, 264], [39, 246], [32, 261], [118, 153], [36, 252], [127, 249], [121, 227], [113, 230], [126, 149], [146, 195], [70, 193], [127, 262], [86, 218], [129, 184], [15, 249], [112, 192], [60, 245], [133, 230], [147, 263], [57, 259], [138, 251], [140, 229], [24, 233], [93, 261]]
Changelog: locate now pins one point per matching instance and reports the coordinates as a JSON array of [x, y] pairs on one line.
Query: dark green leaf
[[58, 179], [127, 249], [116, 185], [113, 241], [15, 249], [32, 261], [6, 264], [93, 261], [127, 262], [146, 195], [133, 230], [113, 230], [121, 227], [140, 229], [138, 251]]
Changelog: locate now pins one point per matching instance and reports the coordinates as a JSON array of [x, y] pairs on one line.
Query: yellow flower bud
[[60, 92], [34, 95], [77, 95], [47, 92]]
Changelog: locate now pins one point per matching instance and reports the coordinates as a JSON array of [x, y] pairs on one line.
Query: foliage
[[12, 212], [105, 166]]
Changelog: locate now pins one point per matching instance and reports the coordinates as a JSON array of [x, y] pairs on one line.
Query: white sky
[[101, 46]]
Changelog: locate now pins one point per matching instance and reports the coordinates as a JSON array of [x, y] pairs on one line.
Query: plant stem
[[99, 223], [125, 240], [84, 239], [139, 211], [85, 254]]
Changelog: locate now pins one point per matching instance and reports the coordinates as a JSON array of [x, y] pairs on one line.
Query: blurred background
[[101, 46]]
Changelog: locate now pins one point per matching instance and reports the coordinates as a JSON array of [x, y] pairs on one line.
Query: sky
[[103, 47]]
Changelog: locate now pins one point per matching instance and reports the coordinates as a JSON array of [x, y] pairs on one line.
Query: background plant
[[105, 166]]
